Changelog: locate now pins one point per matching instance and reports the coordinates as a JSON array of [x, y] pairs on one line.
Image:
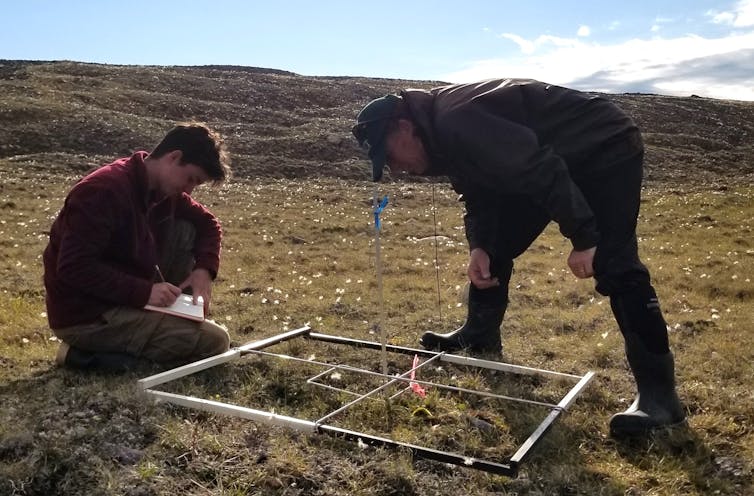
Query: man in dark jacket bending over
[[129, 234], [524, 153]]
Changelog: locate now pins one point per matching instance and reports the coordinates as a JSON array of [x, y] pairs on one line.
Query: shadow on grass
[[681, 449]]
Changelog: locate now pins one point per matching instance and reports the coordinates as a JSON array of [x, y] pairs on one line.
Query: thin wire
[[437, 256], [376, 390], [396, 378]]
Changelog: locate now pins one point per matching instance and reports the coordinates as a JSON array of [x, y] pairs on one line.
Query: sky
[[670, 47]]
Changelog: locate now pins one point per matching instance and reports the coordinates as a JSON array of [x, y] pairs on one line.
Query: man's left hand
[[200, 281], [581, 262]]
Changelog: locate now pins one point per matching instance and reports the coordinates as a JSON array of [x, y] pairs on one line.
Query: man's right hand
[[163, 294], [479, 270]]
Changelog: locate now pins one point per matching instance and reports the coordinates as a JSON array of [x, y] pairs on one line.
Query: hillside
[[278, 124]]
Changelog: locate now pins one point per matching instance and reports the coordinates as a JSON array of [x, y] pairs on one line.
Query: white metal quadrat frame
[[508, 467]]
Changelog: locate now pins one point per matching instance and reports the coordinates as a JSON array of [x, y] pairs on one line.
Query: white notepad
[[183, 307]]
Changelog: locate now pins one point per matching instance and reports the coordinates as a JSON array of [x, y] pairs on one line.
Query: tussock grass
[[298, 252]]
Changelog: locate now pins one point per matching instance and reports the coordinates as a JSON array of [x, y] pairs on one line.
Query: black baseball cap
[[371, 126]]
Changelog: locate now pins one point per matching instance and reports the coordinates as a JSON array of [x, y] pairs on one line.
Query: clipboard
[[183, 307]]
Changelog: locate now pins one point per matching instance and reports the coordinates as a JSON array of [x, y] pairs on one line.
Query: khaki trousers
[[155, 336]]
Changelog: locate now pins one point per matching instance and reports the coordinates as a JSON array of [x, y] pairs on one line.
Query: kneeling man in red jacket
[[128, 235]]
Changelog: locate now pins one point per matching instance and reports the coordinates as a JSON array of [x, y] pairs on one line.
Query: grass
[[298, 252]]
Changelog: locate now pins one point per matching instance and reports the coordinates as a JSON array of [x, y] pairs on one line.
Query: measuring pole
[[378, 206]]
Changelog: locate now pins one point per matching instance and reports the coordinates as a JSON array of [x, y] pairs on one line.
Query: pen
[[159, 273]]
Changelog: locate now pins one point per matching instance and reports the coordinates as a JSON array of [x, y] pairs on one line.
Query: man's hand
[[201, 285], [479, 270], [581, 263], [163, 294]]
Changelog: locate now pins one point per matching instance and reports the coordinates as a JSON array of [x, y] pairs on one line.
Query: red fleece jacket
[[104, 244]]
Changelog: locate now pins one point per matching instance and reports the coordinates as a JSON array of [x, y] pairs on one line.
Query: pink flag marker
[[416, 388]]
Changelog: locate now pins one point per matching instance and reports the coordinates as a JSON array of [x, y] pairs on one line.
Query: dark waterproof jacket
[[104, 244], [519, 137]]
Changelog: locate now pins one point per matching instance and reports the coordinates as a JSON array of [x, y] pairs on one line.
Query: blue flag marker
[[378, 211]]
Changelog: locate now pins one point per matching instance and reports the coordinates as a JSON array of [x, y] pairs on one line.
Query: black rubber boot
[[481, 332], [657, 404]]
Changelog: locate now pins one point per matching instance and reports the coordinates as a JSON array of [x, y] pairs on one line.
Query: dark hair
[[199, 145]]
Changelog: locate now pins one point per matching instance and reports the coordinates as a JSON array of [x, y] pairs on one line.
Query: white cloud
[[583, 31], [530, 46], [690, 64], [742, 15], [659, 22], [722, 17], [526, 46]]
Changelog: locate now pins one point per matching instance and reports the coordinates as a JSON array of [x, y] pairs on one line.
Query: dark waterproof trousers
[[613, 193]]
